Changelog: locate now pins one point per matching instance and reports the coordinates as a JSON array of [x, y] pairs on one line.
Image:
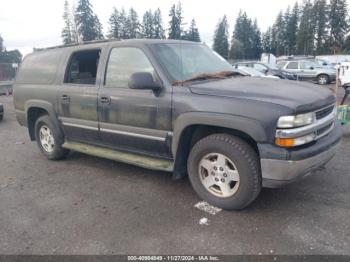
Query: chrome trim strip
[[80, 126], [133, 134], [305, 130]]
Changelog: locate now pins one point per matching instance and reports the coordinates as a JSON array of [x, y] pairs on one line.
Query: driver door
[[132, 119]]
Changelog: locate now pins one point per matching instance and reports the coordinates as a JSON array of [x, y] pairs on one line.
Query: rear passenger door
[[77, 96], [132, 119]]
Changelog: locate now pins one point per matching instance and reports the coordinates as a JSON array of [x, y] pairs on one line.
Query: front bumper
[[285, 166]]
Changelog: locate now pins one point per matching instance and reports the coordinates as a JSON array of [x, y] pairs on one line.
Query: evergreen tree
[[338, 23], [114, 26], [75, 33], [67, 30], [278, 35], [148, 25], [246, 37], [221, 45], [306, 32], [87, 22], [133, 24], [124, 25], [267, 41], [291, 30], [98, 28], [158, 25], [320, 11], [175, 24], [193, 33]]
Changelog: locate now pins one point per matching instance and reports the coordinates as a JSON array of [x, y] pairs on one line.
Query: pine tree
[[266, 41], [159, 32], [338, 23], [133, 24], [291, 30], [124, 25], [306, 31], [320, 11], [67, 30], [114, 26], [192, 34], [175, 24], [148, 25], [86, 21], [278, 35], [220, 44], [98, 28]]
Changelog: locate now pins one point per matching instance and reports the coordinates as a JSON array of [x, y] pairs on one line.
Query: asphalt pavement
[[89, 205]]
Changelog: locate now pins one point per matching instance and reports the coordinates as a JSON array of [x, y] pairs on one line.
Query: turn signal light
[[284, 142]]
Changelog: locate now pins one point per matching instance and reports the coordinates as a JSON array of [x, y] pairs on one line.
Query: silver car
[[309, 70]]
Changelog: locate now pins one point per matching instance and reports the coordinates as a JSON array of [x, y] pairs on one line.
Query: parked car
[[249, 71], [308, 70], [268, 70], [1, 111], [176, 106]]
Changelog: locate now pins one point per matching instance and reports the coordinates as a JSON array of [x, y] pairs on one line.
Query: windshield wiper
[[206, 76]]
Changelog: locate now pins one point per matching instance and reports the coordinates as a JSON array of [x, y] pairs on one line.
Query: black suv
[[179, 107]]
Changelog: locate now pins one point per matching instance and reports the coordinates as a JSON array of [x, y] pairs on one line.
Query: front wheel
[[323, 79], [224, 170]]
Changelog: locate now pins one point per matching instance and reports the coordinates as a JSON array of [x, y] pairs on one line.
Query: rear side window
[[123, 62], [82, 67], [39, 67], [292, 65]]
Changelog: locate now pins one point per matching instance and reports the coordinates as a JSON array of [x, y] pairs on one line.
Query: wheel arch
[[35, 109], [192, 127]]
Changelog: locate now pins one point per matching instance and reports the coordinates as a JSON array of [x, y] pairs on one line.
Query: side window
[[82, 67], [281, 64], [122, 63], [292, 65]]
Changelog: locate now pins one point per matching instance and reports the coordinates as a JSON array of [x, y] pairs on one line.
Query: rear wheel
[[323, 79], [48, 139], [224, 170]]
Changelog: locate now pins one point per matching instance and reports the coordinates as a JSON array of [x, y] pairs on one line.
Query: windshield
[[185, 61]]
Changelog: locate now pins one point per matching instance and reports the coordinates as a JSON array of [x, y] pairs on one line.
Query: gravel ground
[[88, 205]]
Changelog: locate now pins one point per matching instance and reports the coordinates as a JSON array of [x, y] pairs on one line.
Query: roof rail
[[78, 44]]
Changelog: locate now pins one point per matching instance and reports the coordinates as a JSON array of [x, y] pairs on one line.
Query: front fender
[[251, 127]]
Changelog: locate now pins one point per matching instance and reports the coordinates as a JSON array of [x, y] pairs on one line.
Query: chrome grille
[[324, 112]]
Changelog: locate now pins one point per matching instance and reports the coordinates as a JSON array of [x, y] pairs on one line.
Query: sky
[[26, 24]]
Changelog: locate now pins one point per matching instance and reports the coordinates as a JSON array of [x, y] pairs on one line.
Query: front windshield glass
[[185, 61]]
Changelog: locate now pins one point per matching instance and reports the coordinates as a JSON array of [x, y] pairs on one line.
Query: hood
[[298, 96]]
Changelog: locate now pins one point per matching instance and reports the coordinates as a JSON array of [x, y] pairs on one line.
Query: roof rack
[[78, 44]]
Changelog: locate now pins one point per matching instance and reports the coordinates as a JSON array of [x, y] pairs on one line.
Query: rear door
[[307, 70], [130, 119], [77, 96]]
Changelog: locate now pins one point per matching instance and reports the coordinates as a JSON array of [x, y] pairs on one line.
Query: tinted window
[[281, 64], [123, 62], [39, 67], [82, 67], [292, 65]]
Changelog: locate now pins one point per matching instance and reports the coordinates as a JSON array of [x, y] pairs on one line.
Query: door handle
[[65, 98], [105, 99]]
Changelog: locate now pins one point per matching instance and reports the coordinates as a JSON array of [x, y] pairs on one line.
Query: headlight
[[297, 141], [295, 121]]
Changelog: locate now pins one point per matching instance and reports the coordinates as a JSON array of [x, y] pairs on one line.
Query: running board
[[129, 158]]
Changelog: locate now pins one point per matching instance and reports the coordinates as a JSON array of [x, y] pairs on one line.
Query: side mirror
[[311, 68], [142, 80]]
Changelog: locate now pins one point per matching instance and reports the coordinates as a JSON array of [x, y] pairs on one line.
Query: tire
[[49, 139], [323, 79], [239, 157]]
